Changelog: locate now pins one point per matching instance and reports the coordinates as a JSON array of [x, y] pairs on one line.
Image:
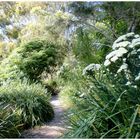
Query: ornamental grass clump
[[30, 103], [10, 125]]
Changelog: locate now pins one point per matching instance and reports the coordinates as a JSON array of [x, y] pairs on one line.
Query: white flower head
[[135, 86], [121, 51], [136, 42], [133, 52], [123, 67], [107, 63], [138, 77], [92, 67], [121, 44], [126, 49], [113, 59], [137, 36], [124, 37], [124, 59], [111, 55], [128, 83]]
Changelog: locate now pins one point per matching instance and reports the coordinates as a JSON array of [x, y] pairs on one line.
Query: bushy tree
[[39, 56]]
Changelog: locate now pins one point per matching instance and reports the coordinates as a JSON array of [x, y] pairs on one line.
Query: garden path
[[54, 129]]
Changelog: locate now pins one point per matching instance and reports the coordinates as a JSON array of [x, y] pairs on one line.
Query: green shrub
[[31, 102], [39, 56], [9, 69]]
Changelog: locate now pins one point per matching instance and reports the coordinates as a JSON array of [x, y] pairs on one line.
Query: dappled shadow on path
[[53, 129]]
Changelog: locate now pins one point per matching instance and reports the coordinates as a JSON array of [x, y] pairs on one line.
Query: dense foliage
[[86, 48], [87, 52]]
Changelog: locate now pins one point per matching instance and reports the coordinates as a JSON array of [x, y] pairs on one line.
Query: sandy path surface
[[54, 129]]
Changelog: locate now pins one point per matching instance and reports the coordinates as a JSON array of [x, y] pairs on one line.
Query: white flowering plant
[[111, 101], [90, 69], [124, 59]]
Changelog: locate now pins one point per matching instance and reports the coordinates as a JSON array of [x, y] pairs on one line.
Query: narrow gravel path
[[54, 129]]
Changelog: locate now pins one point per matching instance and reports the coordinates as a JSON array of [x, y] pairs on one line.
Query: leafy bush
[[110, 107], [29, 102], [9, 69], [39, 56]]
